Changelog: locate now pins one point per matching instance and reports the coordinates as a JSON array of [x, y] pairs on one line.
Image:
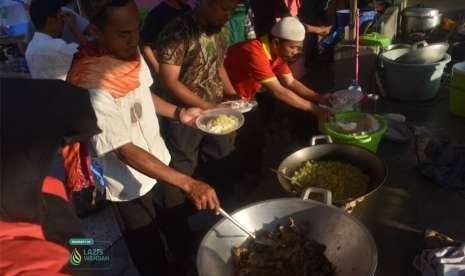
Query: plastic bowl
[[369, 141]]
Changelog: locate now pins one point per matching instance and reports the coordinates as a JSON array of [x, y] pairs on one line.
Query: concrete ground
[[408, 203]]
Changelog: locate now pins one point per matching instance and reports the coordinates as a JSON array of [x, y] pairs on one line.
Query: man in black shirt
[[156, 20], [314, 16], [265, 14], [318, 17]]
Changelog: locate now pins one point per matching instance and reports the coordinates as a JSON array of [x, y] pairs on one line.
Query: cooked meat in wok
[[290, 253]]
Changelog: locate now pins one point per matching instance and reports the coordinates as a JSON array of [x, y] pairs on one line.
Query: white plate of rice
[[220, 121]]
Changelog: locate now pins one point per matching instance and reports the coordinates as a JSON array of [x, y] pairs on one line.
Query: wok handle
[[327, 195], [321, 137]]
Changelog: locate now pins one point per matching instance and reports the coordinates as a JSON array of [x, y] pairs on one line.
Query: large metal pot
[[349, 245], [423, 53], [420, 20], [361, 158], [410, 82]]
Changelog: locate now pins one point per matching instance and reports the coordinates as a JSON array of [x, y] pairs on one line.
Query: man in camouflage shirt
[[191, 50]]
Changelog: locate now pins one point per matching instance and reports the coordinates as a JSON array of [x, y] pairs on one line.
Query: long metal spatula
[[243, 228]]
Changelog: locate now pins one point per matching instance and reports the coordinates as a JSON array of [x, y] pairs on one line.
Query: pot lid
[[429, 46], [422, 12], [423, 53]]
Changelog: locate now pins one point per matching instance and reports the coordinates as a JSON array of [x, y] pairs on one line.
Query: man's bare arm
[[229, 90], [202, 195], [299, 88]]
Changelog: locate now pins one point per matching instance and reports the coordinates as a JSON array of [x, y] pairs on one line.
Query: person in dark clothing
[[314, 15], [318, 18], [265, 14], [155, 21], [38, 117]]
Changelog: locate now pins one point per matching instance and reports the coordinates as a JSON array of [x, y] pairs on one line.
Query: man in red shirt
[[263, 62]]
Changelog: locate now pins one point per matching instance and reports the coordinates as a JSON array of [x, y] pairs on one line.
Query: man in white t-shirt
[[48, 56], [71, 7], [130, 150]]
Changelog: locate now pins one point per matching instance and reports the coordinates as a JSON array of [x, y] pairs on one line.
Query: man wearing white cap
[[263, 62]]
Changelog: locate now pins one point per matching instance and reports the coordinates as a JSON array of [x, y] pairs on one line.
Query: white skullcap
[[289, 28]]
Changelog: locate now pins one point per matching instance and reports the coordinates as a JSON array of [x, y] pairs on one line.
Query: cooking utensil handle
[[419, 44], [321, 137], [235, 222], [327, 195], [283, 175]]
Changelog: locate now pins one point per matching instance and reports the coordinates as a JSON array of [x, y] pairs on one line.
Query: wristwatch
[[177, 113]]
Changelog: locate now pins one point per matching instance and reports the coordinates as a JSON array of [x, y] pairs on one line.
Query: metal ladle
[[285, 177]]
